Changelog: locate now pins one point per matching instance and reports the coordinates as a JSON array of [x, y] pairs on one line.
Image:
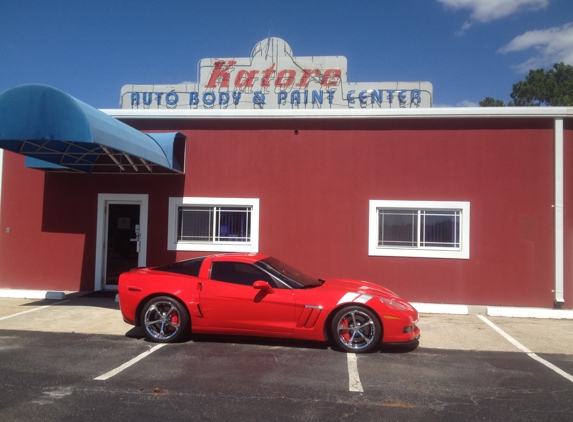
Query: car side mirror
[[263, 285]]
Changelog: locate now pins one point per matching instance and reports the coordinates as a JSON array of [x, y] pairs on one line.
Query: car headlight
[[394, 304]]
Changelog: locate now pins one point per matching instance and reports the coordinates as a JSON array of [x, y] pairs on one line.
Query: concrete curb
[[423, 308], [440, 308], [33, 294], [530, 312], [500, 311]]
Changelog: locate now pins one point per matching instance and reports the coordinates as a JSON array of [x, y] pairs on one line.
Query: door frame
[[103, 200]]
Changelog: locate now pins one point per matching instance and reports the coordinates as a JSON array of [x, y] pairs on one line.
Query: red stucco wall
[[52, 219], [315, 186], [314, 189]]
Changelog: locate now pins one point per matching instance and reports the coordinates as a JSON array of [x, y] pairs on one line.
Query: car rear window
[[189, 267]]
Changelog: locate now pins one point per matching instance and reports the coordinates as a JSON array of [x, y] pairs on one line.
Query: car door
[[229, 300]]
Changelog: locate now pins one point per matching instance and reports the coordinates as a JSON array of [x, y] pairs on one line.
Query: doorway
[[121, 237]]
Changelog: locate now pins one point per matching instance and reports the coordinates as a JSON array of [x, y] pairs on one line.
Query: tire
[[356, 330], [165, 320]]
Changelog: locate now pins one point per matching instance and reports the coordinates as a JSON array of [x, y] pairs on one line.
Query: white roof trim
[[450, 112]]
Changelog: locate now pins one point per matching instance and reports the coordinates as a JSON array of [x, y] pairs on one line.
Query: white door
[[121, 237]]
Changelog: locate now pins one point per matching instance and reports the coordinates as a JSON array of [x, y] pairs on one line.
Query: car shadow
[[138, 333], [396, 348], [385, 348], [80, 301]]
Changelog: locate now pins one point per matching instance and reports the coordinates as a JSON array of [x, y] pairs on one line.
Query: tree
[[540, 88], [491, 102]]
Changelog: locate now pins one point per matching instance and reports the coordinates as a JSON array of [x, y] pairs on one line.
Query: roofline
[[437, 112]]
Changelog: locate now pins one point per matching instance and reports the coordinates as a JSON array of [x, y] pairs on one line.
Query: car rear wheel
[[165, 320], [356, 329]]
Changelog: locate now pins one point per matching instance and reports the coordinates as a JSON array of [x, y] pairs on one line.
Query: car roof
[[239, 256]]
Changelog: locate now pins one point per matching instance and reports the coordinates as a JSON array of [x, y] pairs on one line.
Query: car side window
[[189, 267], [238, 273]]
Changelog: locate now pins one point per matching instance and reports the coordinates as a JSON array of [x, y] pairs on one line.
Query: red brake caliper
[[345, 333]]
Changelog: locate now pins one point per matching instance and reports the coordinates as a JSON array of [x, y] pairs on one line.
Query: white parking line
[[126, 365], [354, 383], [31, 310], [525, 349]]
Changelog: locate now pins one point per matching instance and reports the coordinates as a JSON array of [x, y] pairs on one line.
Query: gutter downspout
[[559, 225]]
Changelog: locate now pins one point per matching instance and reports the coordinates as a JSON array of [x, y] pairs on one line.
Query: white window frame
[[463, 252], [174, 245]]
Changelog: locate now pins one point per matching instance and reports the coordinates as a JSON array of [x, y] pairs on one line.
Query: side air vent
[[309, 316]]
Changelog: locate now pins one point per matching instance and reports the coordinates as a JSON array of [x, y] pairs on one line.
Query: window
[[190, 267], [213, 224], [238, 273], [429, 229]]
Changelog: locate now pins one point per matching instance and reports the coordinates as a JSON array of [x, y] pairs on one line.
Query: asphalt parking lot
[[77, 359]]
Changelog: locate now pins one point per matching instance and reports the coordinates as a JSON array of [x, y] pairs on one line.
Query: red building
[[466, 205]]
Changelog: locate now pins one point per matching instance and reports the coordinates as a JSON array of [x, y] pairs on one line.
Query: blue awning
[[49, 125]]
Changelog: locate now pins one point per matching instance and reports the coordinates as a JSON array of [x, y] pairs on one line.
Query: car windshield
[[289, 275]]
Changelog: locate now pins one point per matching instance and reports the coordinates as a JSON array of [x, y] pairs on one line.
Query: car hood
[[362, 292], [358, 286]]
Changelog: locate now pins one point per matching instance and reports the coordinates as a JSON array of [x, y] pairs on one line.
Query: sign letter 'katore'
[[271, 78]]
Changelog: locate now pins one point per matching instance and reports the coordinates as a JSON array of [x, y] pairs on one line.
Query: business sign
[[273, 78]]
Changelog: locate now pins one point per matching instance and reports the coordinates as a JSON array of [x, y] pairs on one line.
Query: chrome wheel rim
[[356, 330], [162, 320]]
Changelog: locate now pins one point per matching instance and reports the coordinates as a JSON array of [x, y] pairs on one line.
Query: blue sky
[[468, 49]]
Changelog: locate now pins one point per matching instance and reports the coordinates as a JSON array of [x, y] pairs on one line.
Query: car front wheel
[[356, 329], [164, 319]]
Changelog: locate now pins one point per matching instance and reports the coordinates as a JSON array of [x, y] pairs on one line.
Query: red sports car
[[258, 295]]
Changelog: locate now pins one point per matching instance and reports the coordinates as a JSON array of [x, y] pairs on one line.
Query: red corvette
[[258, 295]]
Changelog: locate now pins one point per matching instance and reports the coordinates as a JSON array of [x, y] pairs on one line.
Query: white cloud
[[489, 10], [466, 103], [551, 46], [467, 25]]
